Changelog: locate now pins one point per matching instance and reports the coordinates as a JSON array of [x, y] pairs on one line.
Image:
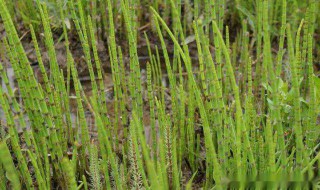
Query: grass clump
[[225, 99]]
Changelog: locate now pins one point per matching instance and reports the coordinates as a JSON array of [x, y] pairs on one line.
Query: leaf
[[303, 101], [67, 22], [188, 40], [270, 102], [290, 95], [251, 18], [267, 87], [189, 184], [284, 87], [287, 108]]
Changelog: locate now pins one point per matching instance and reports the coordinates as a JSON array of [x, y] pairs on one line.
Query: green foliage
[[240, 104]]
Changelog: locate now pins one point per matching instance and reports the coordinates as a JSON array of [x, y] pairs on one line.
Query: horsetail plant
[[201, 94]]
